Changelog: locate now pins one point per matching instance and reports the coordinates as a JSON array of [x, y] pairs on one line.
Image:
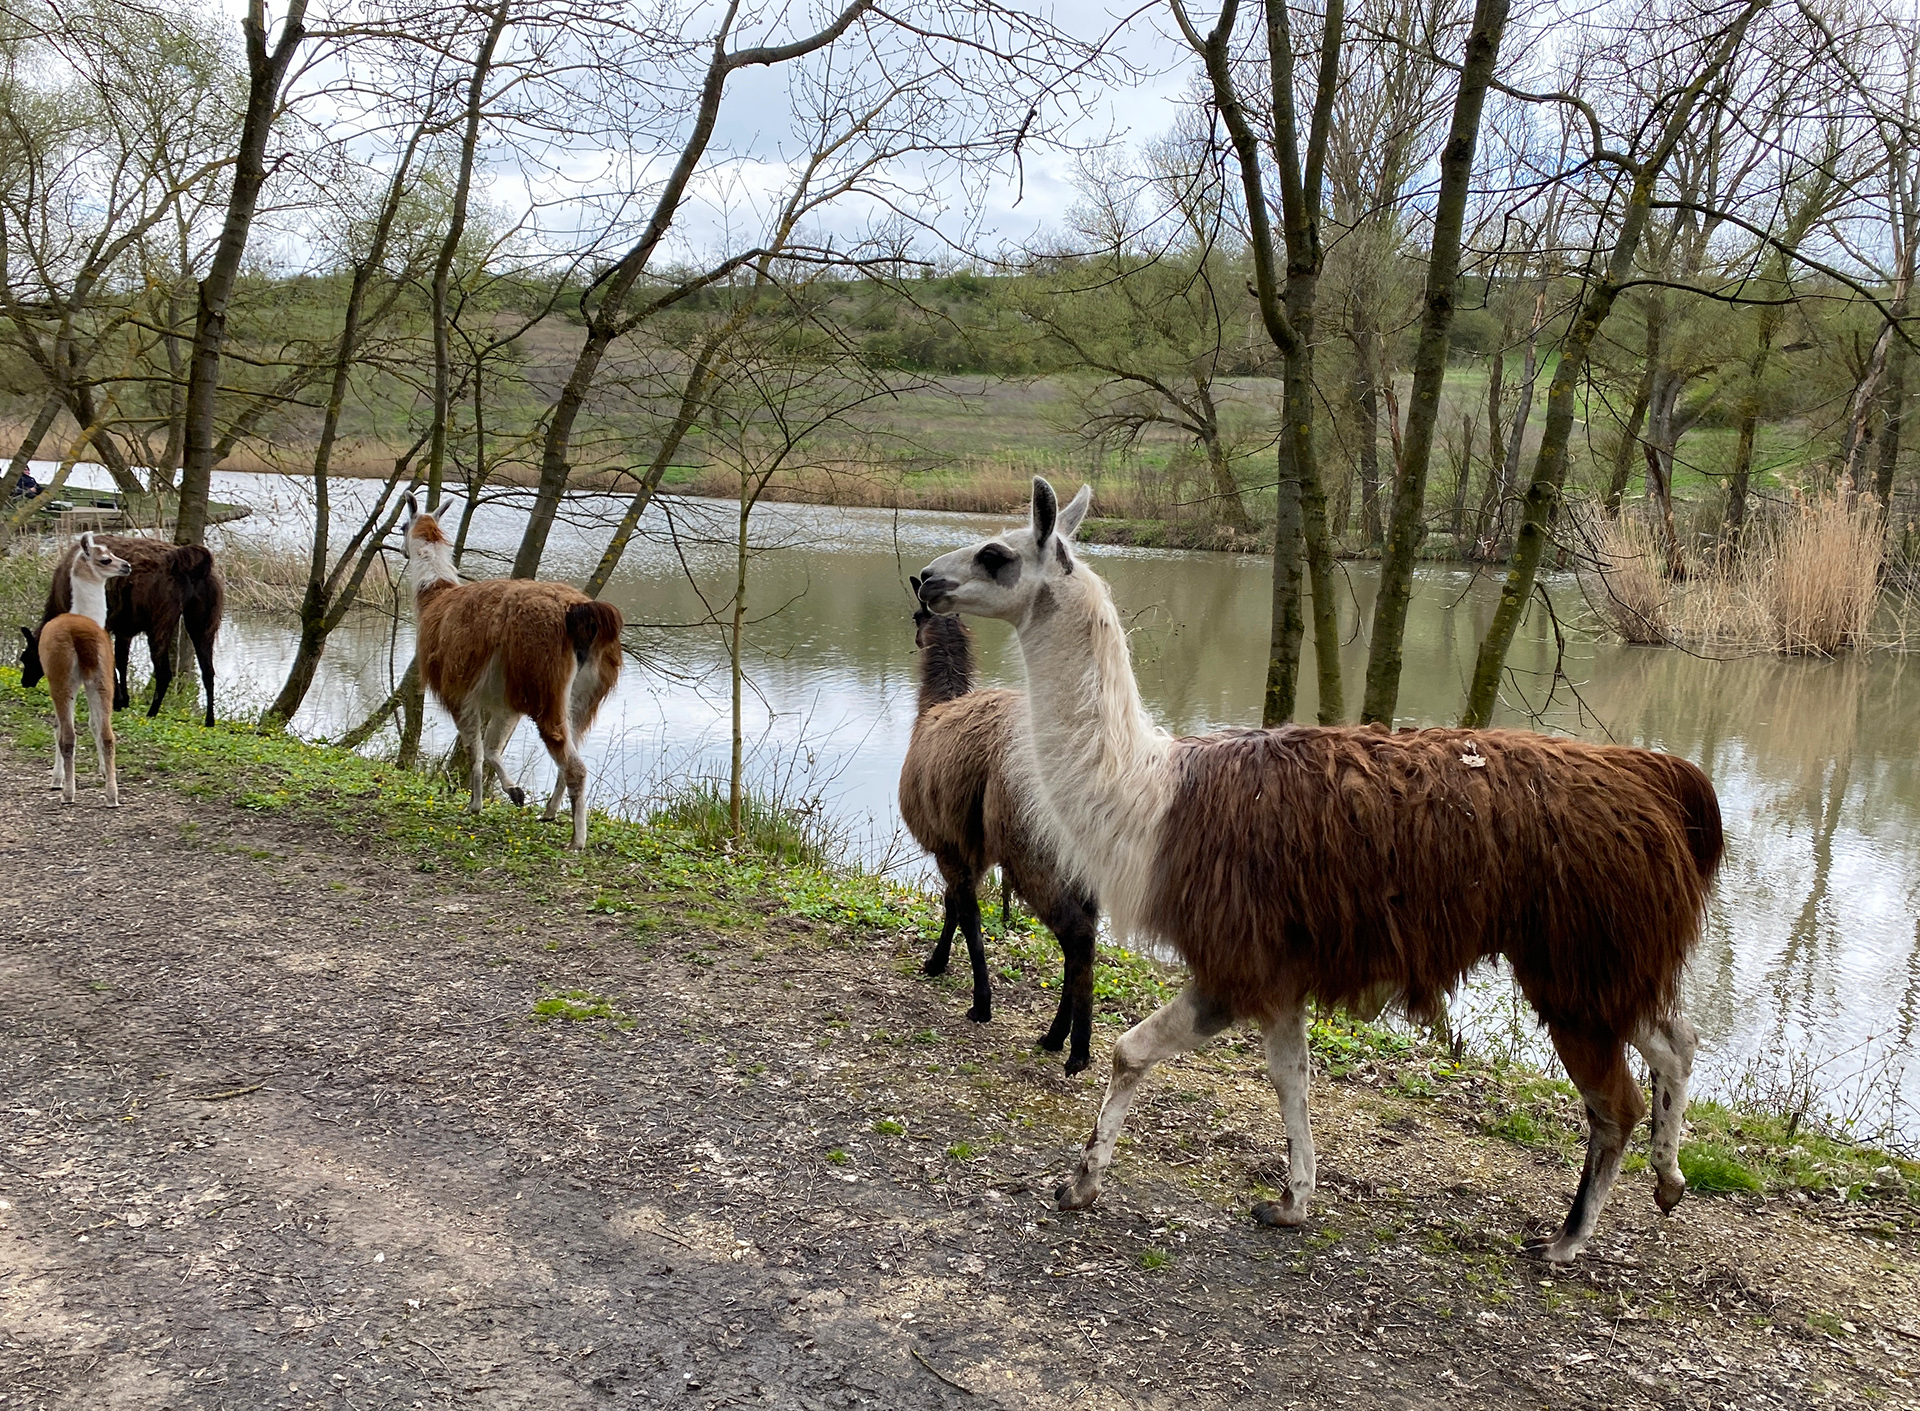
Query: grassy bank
[[677, 869]]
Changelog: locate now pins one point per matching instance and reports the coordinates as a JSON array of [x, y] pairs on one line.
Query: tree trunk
[[266, 70], [1366, 407], [443, 261], [1893, 413], [1457, 519], [1517, 432], [734, 781], [1550, 465], [1415, 451], [1630, 432]]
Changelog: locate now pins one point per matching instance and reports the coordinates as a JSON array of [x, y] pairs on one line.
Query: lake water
[[1809, 971]]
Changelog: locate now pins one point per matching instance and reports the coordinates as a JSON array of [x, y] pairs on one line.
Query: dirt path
[[279, 1130]]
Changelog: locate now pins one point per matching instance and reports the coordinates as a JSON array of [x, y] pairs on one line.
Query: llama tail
[[205, 595], [946, 657], [590, 623], [1699, 808]]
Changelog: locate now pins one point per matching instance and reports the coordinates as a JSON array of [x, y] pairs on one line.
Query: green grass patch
[[1710, 1170], [579, 1006]]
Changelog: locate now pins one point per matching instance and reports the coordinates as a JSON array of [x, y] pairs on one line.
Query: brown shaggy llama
[[958, 801], [1332, 864], [172, 585], [501, 648], [75, 653]]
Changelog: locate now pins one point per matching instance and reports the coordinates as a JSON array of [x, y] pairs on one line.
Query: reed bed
[[1807, 582]]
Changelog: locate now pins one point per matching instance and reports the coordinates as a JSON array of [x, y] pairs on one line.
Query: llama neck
[[946, 663], [89, 595], [431, 566], [1099, 762]]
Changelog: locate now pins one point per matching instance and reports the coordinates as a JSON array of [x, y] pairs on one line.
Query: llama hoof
[[936, 965], [518, 795], [980, 1013], [1281, 1214], [1052, 1042], [1076, 1194], [1562, 1250], [1667, 1194], [1079, 1063]]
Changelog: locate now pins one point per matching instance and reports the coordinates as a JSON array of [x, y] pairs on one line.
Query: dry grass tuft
[[1807, 583]]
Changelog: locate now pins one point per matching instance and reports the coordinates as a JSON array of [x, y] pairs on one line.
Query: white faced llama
[[501, 648], [74, 652], [1334, 864]]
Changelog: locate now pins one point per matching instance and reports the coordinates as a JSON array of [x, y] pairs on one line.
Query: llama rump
[[73, 651], [1336, 865], [960, 801], [498, 649], [170, 585]]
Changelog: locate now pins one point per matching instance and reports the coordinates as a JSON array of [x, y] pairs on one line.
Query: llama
[[959, 802], [1329, 864], [171, 585], [73, 651], [495, 650]]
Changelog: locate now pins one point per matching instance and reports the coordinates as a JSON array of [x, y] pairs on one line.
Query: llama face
[[101, 560], [1003, 576]]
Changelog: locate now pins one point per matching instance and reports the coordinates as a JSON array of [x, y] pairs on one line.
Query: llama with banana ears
[[74, 652], [1333, 865], [500, 648]]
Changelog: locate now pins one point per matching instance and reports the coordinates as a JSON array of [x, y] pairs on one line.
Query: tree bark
[[1430, 365], [1630, 432], [29, 444], [1893, 413], [1596, 304], [266, 70], [1366, 405]]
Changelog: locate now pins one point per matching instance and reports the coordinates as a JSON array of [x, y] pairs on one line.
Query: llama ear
[[27, 632], [913, 582], [86, 542], [413, 513], [1046, 508], [1074, 513]]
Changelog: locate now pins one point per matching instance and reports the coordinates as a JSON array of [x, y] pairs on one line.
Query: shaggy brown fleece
[[464, 627], [1375, 862]]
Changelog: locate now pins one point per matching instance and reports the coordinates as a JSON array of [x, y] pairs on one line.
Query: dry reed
[[1806, 584]]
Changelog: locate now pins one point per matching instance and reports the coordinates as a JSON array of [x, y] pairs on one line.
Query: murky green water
[[1811, 964]]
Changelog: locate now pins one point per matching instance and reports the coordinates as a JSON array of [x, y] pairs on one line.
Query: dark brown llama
[[171, 585], [960, 802], [1333, 864]]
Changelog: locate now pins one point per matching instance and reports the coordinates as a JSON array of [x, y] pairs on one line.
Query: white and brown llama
[[74, 652], [1334, 864], [494, 650]]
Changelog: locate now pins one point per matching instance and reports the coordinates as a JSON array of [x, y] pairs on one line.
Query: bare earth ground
[[278, 1131]]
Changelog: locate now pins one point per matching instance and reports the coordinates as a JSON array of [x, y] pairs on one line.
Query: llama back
[[72, 645], [1379, 862], [201, 590]]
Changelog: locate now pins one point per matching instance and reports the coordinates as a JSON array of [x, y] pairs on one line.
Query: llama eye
[[992, 558]]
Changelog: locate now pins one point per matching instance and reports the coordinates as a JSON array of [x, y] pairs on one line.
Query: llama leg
[[1668, 1045], [573, 780], [122, 647], [937, 958], [100, 714], [1290, 1066], [64, 742], [1178, 1026], [496, 734], [473, 735], [1074, 922], [203, 651], [1598, 1067], [160, 653], [969, 918]]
